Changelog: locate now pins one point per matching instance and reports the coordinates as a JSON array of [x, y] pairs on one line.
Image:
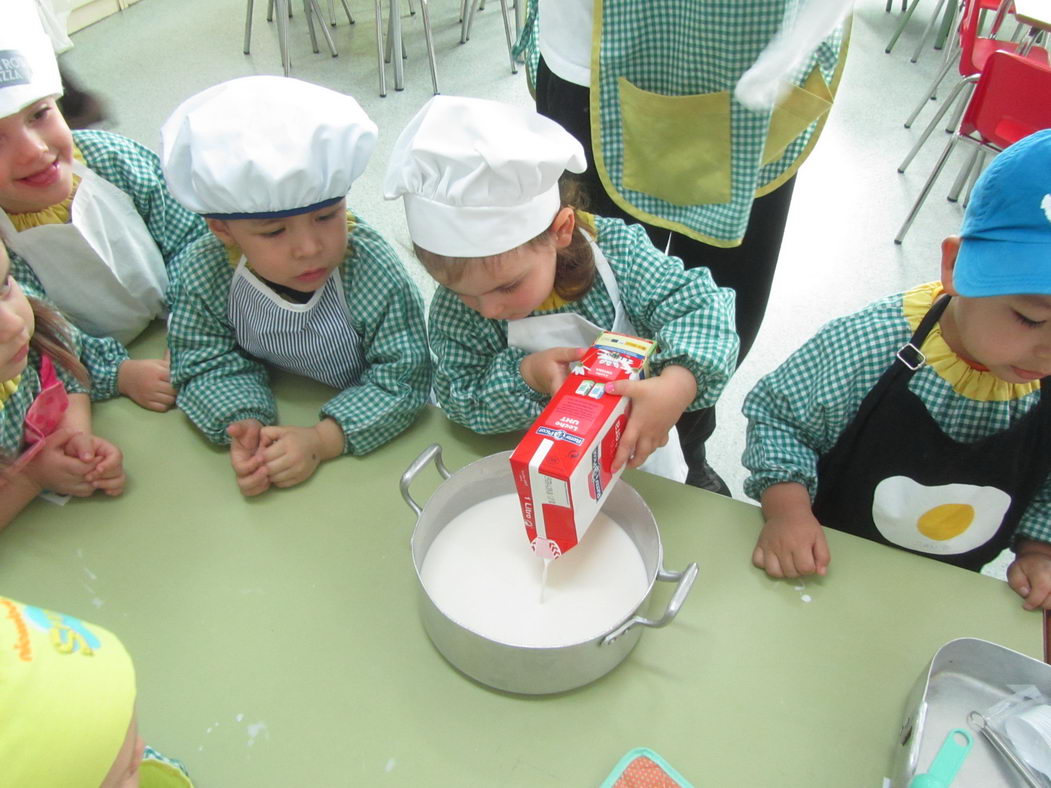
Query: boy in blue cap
[[919, 421]]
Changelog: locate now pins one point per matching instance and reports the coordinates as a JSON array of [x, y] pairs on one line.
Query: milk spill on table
[[481, 573]]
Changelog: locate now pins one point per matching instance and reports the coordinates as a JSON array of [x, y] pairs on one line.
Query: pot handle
[[432, 452], [685, 580]]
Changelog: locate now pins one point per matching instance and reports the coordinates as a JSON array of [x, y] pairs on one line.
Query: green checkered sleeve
[[136, 170], [386, 311], [476, 377], [690, 316], [796, 413], [218, 382]]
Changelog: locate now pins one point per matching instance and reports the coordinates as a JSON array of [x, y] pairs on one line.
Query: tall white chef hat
[[28, 69], [262, 147], [479, 177]]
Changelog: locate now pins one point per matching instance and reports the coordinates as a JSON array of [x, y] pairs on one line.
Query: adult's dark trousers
[[748, 269]]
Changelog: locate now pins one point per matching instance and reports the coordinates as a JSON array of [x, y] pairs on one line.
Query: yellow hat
[[67, 690]]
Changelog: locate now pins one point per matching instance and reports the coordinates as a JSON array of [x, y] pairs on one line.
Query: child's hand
[[147, 383], [656, 404], [1030, 574], [108, 473], [546, 370], [292, 454], [246, 456], [53, 468], [792, 543]]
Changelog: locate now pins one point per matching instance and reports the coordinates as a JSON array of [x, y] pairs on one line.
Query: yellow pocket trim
[[800, 107], [676, 148]]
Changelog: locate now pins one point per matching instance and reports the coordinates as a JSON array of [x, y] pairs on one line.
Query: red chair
[[1011, 100], [974, 53]]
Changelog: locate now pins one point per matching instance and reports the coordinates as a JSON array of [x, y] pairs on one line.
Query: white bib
[[102, 268]]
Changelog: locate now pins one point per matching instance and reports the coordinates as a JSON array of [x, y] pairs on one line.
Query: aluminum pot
[[523, 669]]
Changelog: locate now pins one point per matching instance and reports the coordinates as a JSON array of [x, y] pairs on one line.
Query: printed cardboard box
[[562, 467]]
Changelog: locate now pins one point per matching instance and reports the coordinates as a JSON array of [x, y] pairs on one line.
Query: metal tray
[[965, 675]]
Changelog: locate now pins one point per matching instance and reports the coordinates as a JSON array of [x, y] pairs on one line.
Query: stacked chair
[[1011, 100]]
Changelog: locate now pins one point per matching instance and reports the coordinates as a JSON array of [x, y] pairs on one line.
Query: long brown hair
[[52, 338], [574, 265]]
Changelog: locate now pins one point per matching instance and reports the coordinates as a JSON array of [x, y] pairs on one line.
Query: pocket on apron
[[676, 148], [794, 113]]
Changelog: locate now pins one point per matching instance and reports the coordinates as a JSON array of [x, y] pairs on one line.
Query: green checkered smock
[[220, 383], [13, 410], [135, 170], [797, 412], [672, 146], [477, 381]]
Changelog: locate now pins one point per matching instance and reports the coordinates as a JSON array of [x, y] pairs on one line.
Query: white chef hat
[[479, 177], [263, 146], [28, 69]]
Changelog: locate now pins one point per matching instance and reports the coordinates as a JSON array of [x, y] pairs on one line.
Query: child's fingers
[[822, 557], [80, 446], [112, 485], [254, 483]]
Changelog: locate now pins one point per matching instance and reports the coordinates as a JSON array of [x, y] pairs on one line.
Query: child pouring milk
[[68, 695], [46, 441], [920, 421], [86, 217], [288, 277], [527, 280]]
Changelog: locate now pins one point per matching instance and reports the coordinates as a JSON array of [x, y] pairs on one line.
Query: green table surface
[[277, 640]]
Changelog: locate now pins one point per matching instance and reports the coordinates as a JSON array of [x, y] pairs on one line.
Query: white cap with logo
[[28, 68]]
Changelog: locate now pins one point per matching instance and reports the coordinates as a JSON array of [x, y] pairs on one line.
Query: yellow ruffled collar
[[965, 380], [8, 388], [54, 214]]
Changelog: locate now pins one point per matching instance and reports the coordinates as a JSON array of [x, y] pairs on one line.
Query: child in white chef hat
[[86, 217], [528, 281], [289, 277], [67, 690]]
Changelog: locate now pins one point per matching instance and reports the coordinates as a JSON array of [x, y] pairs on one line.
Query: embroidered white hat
[[263, 146], [28, 69], [479, 177]]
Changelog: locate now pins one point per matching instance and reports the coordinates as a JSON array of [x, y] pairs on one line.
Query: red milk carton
[[562, 467]]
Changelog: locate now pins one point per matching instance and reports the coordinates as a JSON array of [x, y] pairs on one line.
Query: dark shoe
[[706, 478]]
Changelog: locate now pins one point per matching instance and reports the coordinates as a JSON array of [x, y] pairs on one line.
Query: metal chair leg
[[282, 34], [465, 26], [926, 189], [346, 9], [928, 30], [312, 10], [963, 175], [248, 27], [929, 94], [976, 173], [963, 83], [901, 25], [379, 48], [430, 45], [507, 35]]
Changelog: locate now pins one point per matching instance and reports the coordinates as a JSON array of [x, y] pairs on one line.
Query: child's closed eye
[[6, 286], [1025, 321], [326, 216]]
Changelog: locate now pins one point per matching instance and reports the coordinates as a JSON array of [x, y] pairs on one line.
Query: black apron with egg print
[[894, 477]]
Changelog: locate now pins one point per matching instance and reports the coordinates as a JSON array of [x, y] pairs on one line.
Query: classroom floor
[[838, 253]]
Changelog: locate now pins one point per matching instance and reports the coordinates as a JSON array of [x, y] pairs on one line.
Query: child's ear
[[221, 230], [562, 227], [950, 249]]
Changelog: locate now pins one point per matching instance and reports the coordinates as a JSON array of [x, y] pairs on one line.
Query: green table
[[277, 640]]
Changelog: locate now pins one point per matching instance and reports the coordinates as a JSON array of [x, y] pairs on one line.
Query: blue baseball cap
[[1006, 248]]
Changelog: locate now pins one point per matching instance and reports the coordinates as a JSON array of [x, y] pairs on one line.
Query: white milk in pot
[[481, 573]]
